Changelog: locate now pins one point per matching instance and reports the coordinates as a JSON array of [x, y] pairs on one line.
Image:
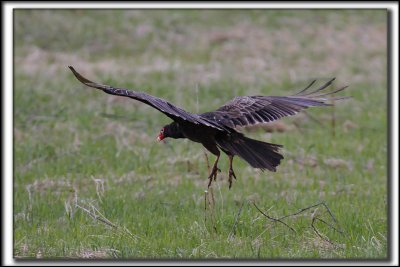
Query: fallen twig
[[210, 202], [332, 227], [321, 236], [273, 219], [314, 219], [310, 207], [97, 215]]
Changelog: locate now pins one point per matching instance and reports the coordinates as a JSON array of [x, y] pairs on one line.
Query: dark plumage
[[216, 130]]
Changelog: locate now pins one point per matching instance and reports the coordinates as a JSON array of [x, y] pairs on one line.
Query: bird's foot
[[213, 175], [231, 174]]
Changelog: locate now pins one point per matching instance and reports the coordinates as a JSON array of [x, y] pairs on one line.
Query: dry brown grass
[[254, 53]]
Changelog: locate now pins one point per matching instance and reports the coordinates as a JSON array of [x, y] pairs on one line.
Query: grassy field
[[91, 182]]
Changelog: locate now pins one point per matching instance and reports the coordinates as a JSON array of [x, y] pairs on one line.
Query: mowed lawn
[[90, 180]]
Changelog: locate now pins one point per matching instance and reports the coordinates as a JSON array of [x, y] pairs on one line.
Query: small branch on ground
[[310, 207], [314, 219], [273, 219], [210, 203], [97, 215], [330, 226], [321, 236]]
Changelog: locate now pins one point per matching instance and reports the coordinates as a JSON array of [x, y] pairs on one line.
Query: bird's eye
[[162, 130]]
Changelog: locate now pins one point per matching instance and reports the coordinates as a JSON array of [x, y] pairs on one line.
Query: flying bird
[[216, 130]]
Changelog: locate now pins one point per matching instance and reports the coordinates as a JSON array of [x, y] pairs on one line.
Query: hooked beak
[[160, 137]]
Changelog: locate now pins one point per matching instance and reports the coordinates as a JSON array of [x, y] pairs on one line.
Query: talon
[[231, 172], [213, 174]]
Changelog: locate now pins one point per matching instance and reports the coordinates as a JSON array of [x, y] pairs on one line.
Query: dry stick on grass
[[302, 210], [320, 235], [330, 226], [316, 231], [316, 218], [97, 215], [313, 206], [273, 219], [212, 208], [310, 207], [209, 201]]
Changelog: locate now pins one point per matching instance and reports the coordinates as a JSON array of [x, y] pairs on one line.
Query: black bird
[[216, 130]]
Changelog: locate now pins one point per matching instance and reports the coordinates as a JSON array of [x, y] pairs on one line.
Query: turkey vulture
[[216, 130]]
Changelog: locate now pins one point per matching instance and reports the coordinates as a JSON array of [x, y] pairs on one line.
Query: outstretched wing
[[174, 112], [250, 110]]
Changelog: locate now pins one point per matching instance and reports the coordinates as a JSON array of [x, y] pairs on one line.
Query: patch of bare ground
[[338, 163]]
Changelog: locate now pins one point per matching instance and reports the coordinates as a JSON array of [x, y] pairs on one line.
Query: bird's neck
[[174, 131]]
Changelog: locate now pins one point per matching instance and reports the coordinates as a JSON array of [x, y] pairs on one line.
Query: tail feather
[[258, 154]]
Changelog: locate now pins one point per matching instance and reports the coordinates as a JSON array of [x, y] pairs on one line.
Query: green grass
[[79, 151]]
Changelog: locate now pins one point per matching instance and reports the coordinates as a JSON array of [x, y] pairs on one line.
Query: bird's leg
[[231, 172], [214, 171]]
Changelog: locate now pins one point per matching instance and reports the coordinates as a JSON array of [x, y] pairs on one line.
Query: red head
[[161, 135], [171, 130]]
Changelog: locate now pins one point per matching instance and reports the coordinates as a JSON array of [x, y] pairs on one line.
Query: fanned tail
[[258, 154]]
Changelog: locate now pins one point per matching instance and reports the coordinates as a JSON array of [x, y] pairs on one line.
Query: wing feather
[[172, 111], [249, 110]]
